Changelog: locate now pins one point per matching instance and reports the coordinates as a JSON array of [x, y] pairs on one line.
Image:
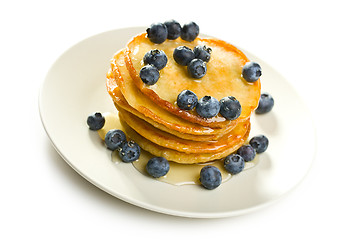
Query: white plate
[[75, 87]]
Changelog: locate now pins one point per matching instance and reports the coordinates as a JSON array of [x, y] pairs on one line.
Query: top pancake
[[223, 77], [120, 83]]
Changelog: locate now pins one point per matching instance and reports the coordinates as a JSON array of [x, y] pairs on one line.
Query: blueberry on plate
[[197, 68], [202, 52], [260, 143], [230, 108], [251, 71], [187, 100], [95, 121], [174, 29], [190, 31], [247, 152], [210, 177], [149, 74], [129, 151], [156, 57], [157, 167], [157, 33], [266, 103], [234, 163], [114, 138], [183, 55], [208, 107]]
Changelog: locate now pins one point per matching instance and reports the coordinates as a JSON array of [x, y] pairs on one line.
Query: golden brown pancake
[[150, 116], [176, 156], [223, 77], [137, 100], [121, 104], [167, 140]]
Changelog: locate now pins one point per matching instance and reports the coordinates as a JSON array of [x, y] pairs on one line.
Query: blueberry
[[95, 121], [260, 143], [190, 31], [157, 32], [202, 52], [129, 151], [183, 55], [266, 103], [234, 163], [114, 138], [230, 108], [174, 29], [157, 167], [197, 68], [247, 152], [210, 177], [156, 57], [251, 71], [187, 100], [208, 107], [149, 74]]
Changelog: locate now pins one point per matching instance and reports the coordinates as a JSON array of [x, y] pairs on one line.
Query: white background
[[315, 44]]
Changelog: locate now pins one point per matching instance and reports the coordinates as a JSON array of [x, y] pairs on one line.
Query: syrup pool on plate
[[179, 174]]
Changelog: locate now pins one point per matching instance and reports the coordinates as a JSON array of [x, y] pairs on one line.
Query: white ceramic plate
[[75, 87]]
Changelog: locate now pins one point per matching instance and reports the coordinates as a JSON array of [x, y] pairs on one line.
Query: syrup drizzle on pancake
[[223, 77]]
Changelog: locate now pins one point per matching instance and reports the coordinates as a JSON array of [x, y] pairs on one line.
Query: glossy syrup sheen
[[179, 174]]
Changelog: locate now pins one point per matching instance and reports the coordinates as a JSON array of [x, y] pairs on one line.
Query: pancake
[[176, 156], [150, 116], [121, 104], [170, 141], [137, 100], [223, 78]]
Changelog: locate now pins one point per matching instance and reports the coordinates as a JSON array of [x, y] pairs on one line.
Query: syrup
[[179, 174]]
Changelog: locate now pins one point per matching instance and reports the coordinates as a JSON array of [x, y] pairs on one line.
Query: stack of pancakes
[[151, 117]]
